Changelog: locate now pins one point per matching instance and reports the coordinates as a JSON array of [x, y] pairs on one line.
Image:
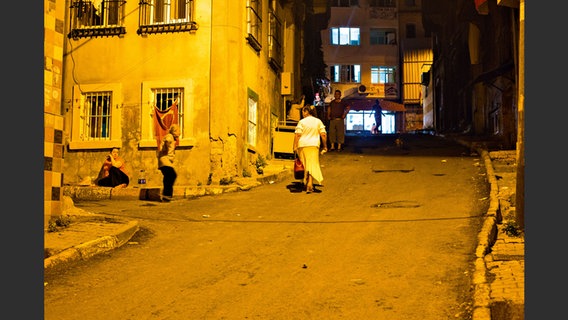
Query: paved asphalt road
[[391, 236]]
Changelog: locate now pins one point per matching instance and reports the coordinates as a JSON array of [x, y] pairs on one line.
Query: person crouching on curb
[[113, 172], [166, 158], [309, 133]]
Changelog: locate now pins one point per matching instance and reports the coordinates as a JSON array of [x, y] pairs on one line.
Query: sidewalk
[[88, 234], [499, 278]]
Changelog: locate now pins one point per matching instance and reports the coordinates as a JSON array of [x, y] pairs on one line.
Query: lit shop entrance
[[362, 121]]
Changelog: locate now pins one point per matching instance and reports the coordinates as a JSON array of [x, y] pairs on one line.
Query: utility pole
[[520, 187]]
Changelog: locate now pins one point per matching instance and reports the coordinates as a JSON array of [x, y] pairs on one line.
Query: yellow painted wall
[[218, 65]]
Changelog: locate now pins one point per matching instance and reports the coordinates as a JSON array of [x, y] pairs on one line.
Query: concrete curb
[[92, 248], [486, 239]]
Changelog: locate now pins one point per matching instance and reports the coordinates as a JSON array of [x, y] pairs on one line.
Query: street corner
[[83, 240]]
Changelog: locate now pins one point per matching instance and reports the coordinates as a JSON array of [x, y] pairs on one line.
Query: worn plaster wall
[[219, 69]]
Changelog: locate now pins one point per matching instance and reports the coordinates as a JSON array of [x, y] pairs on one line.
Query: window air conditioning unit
[[362, 89]]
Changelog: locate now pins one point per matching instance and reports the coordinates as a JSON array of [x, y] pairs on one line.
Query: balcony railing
[[160, 16], [88, 20]]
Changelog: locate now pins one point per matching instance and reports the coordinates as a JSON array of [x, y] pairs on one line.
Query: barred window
[[165, 11], [96, 116], [275, 39], [98, 113], [96, 18], [161, 95], [254, 23], [158, 16], [164, 98]]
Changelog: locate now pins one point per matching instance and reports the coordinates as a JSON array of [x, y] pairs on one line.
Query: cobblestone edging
[[486, 239], [505, 263], [499, 267]]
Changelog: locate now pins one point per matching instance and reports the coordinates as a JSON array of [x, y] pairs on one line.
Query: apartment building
[[375, 49], [214, 67]]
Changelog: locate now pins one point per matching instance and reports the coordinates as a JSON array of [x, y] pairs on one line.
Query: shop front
[[361, 118]]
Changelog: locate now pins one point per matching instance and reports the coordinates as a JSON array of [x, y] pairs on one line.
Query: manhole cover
[[396, 204]]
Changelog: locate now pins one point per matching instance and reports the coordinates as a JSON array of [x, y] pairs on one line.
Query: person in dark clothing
[[336, 113], [113, 172], [378, 113]]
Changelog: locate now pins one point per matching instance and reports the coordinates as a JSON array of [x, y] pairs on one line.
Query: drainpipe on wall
[[520, 187], [210, 70]]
